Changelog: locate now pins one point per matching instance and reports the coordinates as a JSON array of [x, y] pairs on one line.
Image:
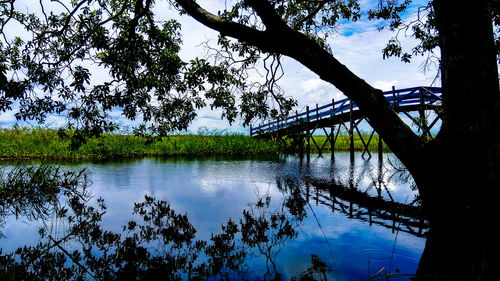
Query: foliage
[[48, 67], [32, 191], [422, 27]]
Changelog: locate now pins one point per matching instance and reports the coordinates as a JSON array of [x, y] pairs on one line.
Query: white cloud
[[313, 84], [360, 52], [384, 85]]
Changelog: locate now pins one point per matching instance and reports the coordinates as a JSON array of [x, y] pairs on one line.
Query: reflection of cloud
[[209, 186]]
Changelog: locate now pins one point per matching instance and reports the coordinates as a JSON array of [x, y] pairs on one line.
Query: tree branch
[[399, 136], [225, 27], [309, 16], [267, 14]]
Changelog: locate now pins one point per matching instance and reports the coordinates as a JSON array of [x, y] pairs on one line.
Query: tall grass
[[343, 143], [24, 142], [46, 143]]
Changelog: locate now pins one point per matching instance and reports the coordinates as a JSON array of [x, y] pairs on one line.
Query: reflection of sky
[[212, 191], [351, 248]]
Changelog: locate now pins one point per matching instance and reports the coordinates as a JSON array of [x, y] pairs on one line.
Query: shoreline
[[41, 143]]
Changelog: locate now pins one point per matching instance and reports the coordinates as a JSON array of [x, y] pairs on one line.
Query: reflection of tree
[[295, 201], [223, 253], [32, 191], [267, 231], [159, 245], [317, 271]]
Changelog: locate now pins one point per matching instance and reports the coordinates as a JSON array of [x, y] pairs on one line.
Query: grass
[[342, 143], [18, 143], [46, 143]]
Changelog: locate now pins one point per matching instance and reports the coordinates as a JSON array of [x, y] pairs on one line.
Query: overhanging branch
[[267, 14], [225, 27], [281, 39]]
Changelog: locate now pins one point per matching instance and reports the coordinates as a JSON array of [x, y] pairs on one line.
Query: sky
[[357, 45]]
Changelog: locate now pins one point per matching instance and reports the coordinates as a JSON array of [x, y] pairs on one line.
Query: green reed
[[23, 142], [37, 142], [343, 143]]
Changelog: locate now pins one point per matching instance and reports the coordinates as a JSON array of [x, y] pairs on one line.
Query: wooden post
[[317, 120], [393, 222], [286, 129], [421, 111], [299, 137], [332, 130], [351, 132], [380, 178], [307, 192], [380, 148], [317, 196], [277, 128], [394, 99], [308, 140]]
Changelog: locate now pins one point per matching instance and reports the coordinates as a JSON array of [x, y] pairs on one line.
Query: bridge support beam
[[351, 132], [421, 111], [308, 136], [332, 130], [380, 149]]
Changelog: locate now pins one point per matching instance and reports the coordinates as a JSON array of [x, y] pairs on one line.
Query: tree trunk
[[458, 177]]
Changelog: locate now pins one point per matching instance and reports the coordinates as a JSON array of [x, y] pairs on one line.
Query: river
[[351, 240]]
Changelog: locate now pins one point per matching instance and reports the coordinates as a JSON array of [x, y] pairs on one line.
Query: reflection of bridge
[[301, 126], [374, 210], [365, 195]]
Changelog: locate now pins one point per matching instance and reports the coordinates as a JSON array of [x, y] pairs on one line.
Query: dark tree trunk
[[458, 177]]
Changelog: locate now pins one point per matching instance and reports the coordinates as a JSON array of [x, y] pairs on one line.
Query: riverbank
[[27, 143]]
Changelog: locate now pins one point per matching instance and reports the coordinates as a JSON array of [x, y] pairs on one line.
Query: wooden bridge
[[335, 115]]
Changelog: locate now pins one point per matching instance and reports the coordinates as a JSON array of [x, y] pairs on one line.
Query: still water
[[353, 239]]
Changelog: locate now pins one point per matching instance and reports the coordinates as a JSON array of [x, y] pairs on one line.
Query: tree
[[457, 173], [48, 66]]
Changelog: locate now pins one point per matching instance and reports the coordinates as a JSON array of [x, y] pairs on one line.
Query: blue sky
[[357, 45]]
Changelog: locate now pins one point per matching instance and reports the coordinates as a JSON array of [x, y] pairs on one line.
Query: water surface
[[215, 189]]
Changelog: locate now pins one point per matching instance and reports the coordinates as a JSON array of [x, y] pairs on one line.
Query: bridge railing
[[401, 97]]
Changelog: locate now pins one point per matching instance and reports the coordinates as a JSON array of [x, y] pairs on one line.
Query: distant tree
[[457, 173]]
